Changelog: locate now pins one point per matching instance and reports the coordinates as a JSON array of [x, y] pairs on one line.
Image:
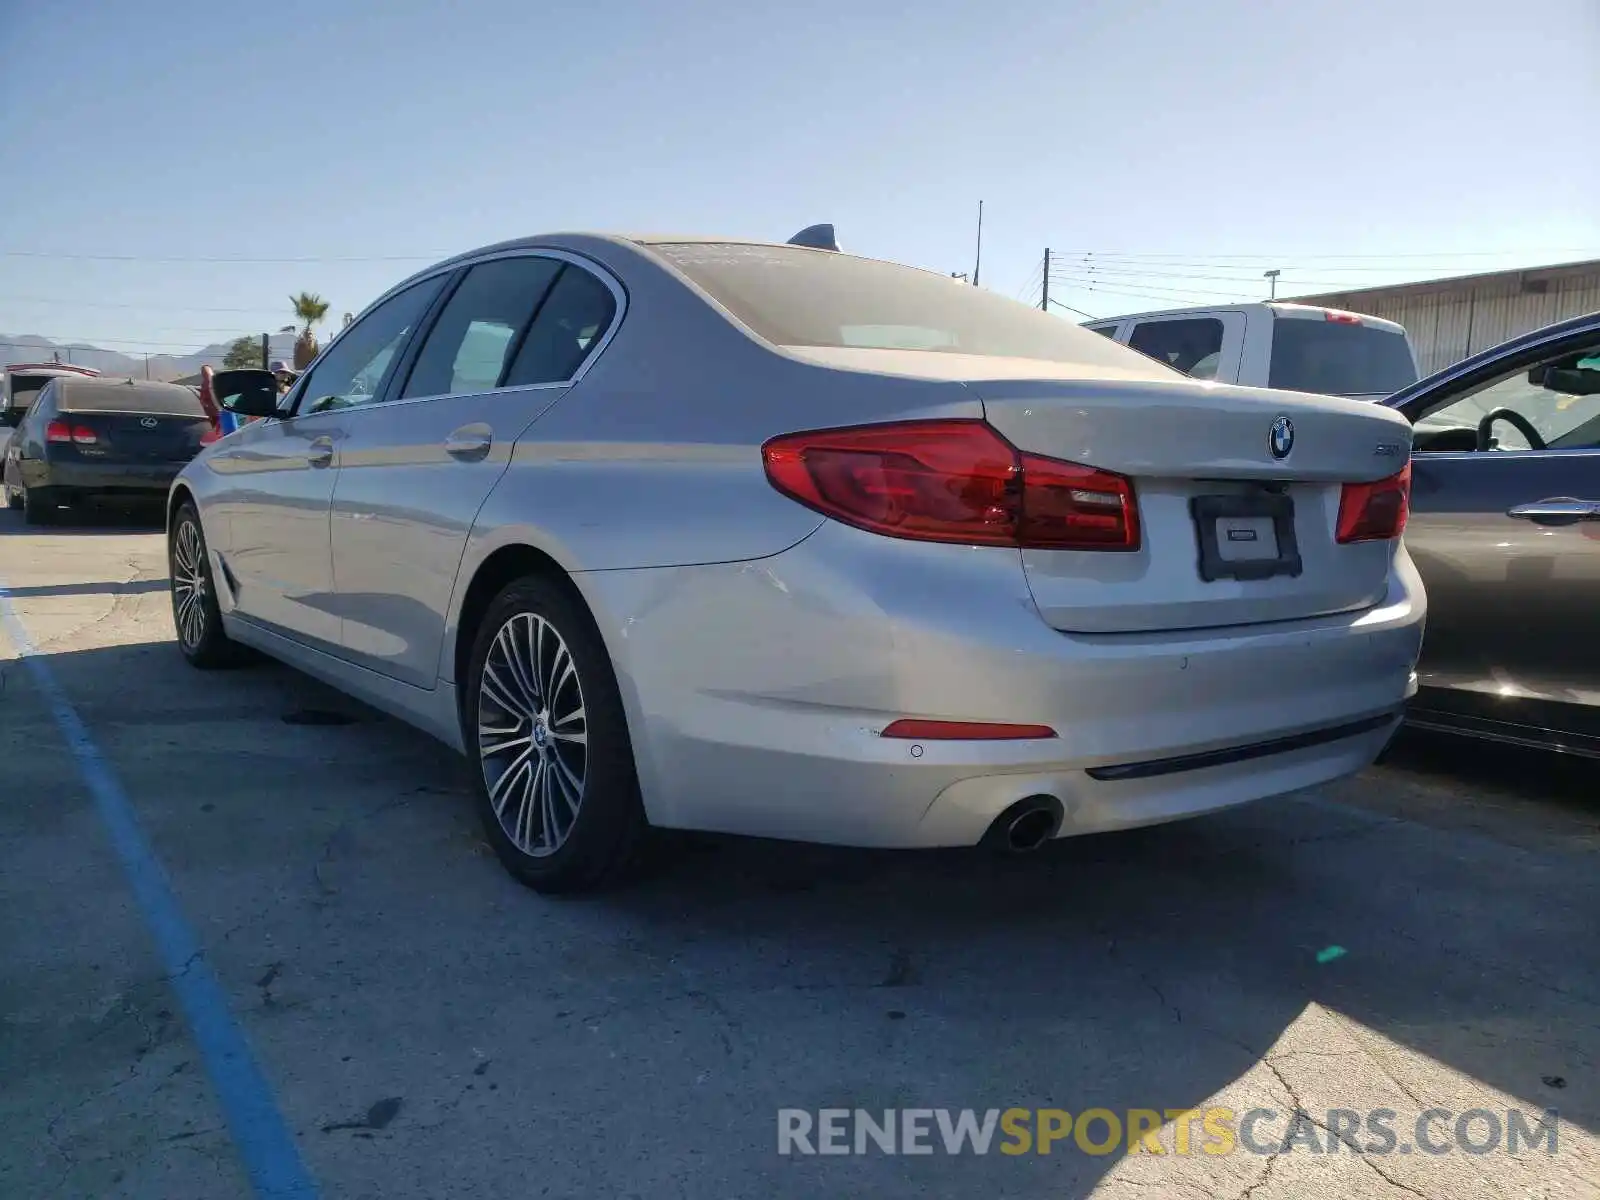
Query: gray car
[[1505, 528], [775, 540]]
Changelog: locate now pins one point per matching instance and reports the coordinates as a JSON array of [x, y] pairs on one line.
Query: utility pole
[[978, 259], [264, 352], [1044, 296], [1272, 275], [147, 366]]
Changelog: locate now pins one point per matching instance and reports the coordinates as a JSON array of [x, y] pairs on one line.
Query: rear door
[[1507, 539], [1202, 346], [416, 469], [277, 476]]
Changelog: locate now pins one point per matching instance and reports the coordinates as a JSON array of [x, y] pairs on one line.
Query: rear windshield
[[796, 297], [1338, 358], [144, 399]]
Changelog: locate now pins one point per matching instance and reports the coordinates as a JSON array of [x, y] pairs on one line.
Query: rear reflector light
[[1342, 318], [61, 433], [953, 481], [954, 731], [1375, 512]]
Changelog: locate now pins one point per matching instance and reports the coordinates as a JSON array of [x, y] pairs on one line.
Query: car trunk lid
[[1231, 533], [135, 437]]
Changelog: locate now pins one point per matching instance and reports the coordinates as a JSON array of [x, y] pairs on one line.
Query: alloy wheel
[[533, 736], [189, 584]]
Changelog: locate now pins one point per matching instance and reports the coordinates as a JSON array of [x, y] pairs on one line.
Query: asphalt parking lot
[[1421, 936]]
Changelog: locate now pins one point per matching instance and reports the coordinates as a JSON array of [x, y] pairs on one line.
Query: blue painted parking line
[[271, 1159]]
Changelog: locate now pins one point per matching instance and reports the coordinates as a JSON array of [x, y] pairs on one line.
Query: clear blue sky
[[1453, 132]]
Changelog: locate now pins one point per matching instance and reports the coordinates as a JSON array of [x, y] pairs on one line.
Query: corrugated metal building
[[1448, 319]]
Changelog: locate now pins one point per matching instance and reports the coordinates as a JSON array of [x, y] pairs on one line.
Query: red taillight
[[61, 433], [953, 481], [1342, 318], [954, 731], [1375, 512]]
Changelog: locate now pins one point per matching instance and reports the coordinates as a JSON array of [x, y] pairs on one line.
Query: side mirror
[[247, 393]]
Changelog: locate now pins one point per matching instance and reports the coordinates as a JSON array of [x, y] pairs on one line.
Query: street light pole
[[1272, 276]]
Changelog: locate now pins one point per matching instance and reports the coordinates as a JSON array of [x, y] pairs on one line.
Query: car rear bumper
[[106, 479], [758, 692]]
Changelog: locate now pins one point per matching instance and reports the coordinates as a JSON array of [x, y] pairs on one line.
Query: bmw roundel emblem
[[1281, 440]]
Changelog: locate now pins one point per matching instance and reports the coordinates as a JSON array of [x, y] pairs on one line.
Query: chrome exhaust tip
[[1026, 825]]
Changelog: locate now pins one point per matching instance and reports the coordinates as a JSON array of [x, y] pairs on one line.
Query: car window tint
[[572, 320], [1183, 344], [1340, 358], [1557, 408], [467, 347], [354, 368], [1110, 331]]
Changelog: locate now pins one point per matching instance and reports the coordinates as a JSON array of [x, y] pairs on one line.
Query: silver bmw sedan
[[771, 539]]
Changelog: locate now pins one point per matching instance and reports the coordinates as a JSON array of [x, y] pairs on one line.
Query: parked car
[[777, 540], [1505, 529], [102, 439], [23, 383], [1298, 347]]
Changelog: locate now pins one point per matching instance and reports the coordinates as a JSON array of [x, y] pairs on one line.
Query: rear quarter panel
[[653, 459]]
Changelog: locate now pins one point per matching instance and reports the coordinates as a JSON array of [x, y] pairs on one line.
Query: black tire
[[39, 506], [201, 638], [606, 828]]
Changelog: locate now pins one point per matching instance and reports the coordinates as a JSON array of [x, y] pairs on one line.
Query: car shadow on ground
[[1144, 970], [88, 519]]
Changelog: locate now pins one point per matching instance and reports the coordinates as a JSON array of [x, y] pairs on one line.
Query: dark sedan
[[101, 439], [1505, 529]]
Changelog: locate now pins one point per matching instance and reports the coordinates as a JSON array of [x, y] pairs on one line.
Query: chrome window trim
[[619, 296]]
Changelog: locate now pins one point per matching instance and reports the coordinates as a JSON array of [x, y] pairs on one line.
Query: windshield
[[797, 297], [1338, 358]]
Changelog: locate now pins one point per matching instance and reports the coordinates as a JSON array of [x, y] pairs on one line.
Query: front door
[[1505, 530], [416, 469], [278, 478]]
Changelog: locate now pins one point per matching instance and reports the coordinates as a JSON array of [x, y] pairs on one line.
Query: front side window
[[1192, 345], [480, 324], [1557, 401], [571, 322], [355, 368]]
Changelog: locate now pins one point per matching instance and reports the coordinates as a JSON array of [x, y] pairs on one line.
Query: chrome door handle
[[470, 442], [320, 452], [1558, 510]]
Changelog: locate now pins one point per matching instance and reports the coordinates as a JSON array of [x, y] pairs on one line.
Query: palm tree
[[310, 308]]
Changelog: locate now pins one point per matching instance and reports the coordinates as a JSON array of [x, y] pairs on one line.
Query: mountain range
[[31, 348]]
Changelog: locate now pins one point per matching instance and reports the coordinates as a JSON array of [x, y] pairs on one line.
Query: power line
[[1211, 259], [162, 258], [144, 307]]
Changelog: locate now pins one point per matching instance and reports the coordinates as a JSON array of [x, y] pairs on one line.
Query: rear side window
[[23, 391], [480, 326], [1338, 358], [571, 322], [1184, 344], [1109, 331]]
